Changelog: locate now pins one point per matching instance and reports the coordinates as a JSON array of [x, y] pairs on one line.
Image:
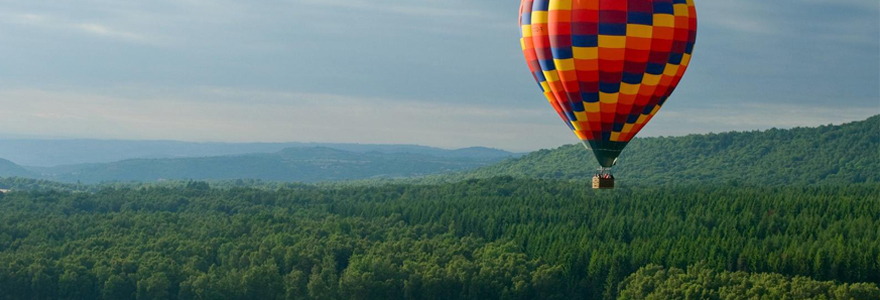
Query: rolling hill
[[51, 153], [848, 153], [311, 164], [10, 169]]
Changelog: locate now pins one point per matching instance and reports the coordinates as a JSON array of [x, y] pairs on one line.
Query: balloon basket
[[603, 180], [603, 183]]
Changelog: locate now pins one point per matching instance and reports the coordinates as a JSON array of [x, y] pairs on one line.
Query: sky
[[444, 73]]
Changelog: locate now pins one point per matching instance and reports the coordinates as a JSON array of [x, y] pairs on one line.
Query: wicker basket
[[603, 183]]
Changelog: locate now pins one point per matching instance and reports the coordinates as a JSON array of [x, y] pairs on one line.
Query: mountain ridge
[[846, 153], [35, 153], [304, 164]]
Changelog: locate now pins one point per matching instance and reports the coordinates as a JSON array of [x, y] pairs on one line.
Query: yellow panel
[[560, 4], [638, 30], [655, 110], [550, 97], [581, 116], [551, 76], [564, 64], [585, 52], [642, 119], [545, 86], [592, 107], [671, 70], [577, 126], [615, 136], [612, 41], [527, 30], [539, 17], [686, 59], [627, 128], [663, 20], [629, 89], [522, 42], [681, 10], [690, 2], [608, 98], [651, 79]]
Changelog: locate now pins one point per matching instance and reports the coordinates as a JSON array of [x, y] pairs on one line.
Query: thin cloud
[[49, 22], [242, 115], [433, 9], [102, 30], [276, 116]]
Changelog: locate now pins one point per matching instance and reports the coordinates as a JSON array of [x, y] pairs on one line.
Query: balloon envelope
[[607, 66]]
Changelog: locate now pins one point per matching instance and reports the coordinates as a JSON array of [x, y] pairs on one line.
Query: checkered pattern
[[607, 66]]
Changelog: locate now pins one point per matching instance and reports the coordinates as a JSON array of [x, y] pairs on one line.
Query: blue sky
[[441, 73]]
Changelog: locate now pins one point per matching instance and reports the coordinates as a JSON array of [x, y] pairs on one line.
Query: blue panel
[[562, 53], [590, 97], [675, 58], [689, 49], [609, 87], [663, 8], [585, 40], [540, 76], [526, 17], [655, 69], [648, 110], [618, 127], [632, 78], [577, 106], [547, 65], [570, 116], [640, 18], [632, 119], [612, 29], [541, 5]]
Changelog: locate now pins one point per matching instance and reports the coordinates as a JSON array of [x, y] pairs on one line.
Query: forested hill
[[10, 169], [848, 153]]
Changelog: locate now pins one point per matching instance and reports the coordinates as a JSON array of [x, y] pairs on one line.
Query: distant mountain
[[10, 169], [311, 164], [848, 153], [51, 153]]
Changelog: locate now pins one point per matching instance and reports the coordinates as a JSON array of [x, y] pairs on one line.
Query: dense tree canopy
[[500, 238], [698, 282]]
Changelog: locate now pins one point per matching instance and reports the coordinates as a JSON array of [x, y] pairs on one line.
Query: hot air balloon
[[607, 66]]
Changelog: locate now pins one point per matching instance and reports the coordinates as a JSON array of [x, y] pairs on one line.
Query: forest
[[495, 238]]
